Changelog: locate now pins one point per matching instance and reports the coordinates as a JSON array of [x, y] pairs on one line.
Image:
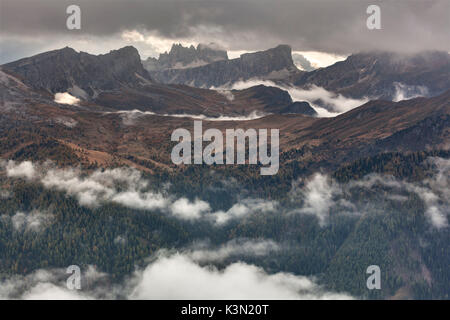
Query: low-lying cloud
[[127, 187], [130, 116], [173, 276], [406, 92], [179, 277], [33, 221], [185, 209], [227, 94], [302, 63], [326, 103], [433, 191], [318, 196], [321, 196], [244, 208], [202, 251], [24, 169]]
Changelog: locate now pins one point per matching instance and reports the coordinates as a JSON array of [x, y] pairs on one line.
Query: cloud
[[434, 191], [50, 284], [322, 25], [23, 170], [202, 252], [104, 186], [19, 286], [227, 94], [302, 63], [179, 277], [184, 209], [319, 59], [33, 221], [66, 98], [130, 116], [406, 92], [173, 276], [49, 291], [140, 200], [251, 116], [320, 195], [127, 187], [243, 209], [326, 103]]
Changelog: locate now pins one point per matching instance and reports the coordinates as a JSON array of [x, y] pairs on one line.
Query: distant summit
[[118, 81], [81, 74], [383, 75], [181, 57], [272, 64]]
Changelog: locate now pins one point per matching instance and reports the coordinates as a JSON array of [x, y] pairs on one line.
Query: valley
[[93, 181]]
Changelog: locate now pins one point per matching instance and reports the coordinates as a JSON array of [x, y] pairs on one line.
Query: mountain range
[[272, 64], [118, 81], [375, 75], [368, 186], [100, 126], [382, 74], [81, 74]]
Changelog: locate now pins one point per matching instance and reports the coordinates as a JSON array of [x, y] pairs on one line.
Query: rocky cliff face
[[82, 74], [117, 81], [181, 57], [272, 64], [299, 107], [384, 75]]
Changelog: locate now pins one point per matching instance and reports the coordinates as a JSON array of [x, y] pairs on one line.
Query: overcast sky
[[333, 26]]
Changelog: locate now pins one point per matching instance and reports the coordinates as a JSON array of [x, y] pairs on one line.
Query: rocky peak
[[180, 57], [275, 59], [82, 74], [383, 75], [211, 52], [128, 52], [272, 64], [394, 62]]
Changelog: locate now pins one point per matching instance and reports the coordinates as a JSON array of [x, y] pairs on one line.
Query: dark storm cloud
[[321, 25]]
